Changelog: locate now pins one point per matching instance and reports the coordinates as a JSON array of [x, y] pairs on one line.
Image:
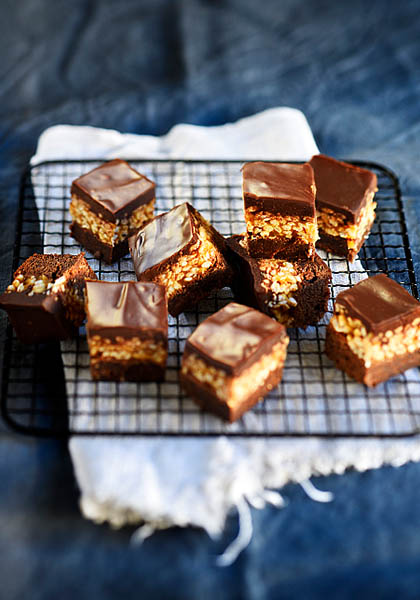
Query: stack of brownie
[[236, 356], [278, 270]]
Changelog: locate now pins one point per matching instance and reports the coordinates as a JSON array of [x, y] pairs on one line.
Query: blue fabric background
[[137, 66]]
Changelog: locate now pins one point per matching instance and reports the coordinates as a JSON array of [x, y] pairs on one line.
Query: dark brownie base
[[334, 244], [279, 248], [337, 350], [208, 401], [37, 318], [190, 296], [109, 254], [128, 370], [338, 245]]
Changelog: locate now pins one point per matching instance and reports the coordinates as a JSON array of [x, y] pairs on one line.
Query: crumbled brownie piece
[[233, 359], [344, 204], [279, 202], [375, 330], [294, 292], [45, 301], [127, 329], [182, 251], [109, 204]]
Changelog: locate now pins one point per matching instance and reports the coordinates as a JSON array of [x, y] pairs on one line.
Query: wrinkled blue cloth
[[141, 67]]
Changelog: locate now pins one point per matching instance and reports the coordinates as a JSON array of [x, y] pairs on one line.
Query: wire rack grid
[[48, 392]]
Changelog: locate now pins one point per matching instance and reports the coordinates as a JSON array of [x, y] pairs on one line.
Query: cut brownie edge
[[334, 244], [234, 357], [337, 349], [374, 332], [197, 291], [127, 325], [232, 395], [183, 252], [341, 245], [208, 401], [45, 300], [127, 370], [289, 249], [88, 240]]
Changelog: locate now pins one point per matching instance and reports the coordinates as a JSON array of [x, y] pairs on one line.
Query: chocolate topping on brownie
[[341, 187], [114, 189], [234, 337], [126, 309], [379, 303], [163, 238], [282, 188]]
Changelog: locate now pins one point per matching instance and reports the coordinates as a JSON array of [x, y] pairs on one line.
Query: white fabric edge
[[288, 460], [221, 141]]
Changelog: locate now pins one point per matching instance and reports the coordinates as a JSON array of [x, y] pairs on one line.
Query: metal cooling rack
[[48, 392]]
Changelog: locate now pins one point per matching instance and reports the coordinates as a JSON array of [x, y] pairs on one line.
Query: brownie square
[[295, 293], [279, 202], [45, 300], [344, 205], [182, 251], [375, 330], [109, 204], [233, 359], [127, 330]]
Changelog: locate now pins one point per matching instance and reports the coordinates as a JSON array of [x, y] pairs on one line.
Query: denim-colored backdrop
[[354, 69]]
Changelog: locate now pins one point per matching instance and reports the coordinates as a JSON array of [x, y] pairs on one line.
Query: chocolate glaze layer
[[279, 188], [380, 303], [163, 238], [235, 337], [342, 187], [114, 189], [126, 309]]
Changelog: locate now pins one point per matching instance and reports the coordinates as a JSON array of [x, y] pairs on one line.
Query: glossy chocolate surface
[[380, 303], [280, 187], [114, 187], [234, 337], [37, 318], [126, 309], [340, 186], [163, 238]]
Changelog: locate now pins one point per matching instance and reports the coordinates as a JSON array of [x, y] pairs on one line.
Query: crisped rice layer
[[106, 231], [103, 349], [372, 348], [336, 224], [190, 266], [280, 280], [261, 224]]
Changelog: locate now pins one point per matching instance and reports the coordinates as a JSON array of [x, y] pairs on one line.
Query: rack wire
[[47, 390]]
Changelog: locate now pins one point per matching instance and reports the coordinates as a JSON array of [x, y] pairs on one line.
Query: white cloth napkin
[[187, 481]]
